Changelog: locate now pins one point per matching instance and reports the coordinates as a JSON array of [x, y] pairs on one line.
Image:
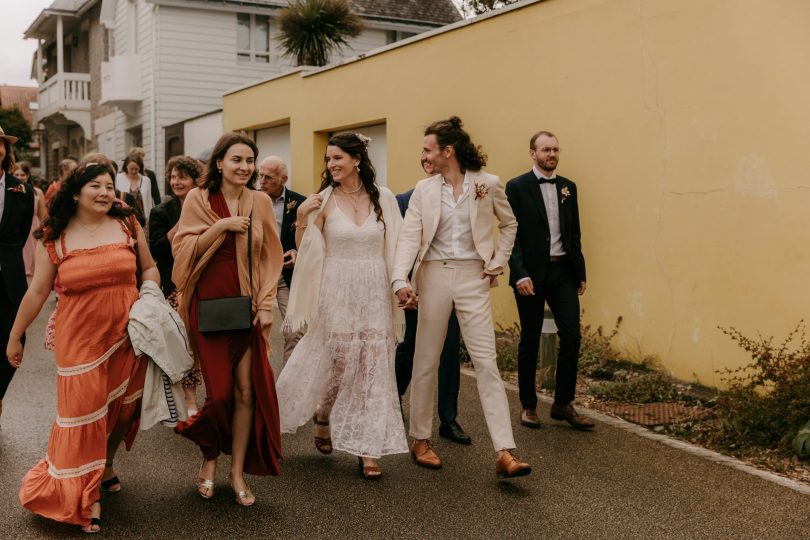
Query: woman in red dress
[[240, 413]]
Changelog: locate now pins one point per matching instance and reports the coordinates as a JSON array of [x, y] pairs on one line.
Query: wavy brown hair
[[450, 132], [351, 143], [212, 178], [186, 166], [63, 207]]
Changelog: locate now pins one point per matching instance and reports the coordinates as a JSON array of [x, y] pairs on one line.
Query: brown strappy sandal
[[369, 472], [322, 444]]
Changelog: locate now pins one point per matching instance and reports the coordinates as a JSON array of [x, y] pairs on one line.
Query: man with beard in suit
[[272, 180], [16, 214], [547, 265]]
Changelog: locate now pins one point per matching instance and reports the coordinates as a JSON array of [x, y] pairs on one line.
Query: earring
[[220, 170], [357, 167]]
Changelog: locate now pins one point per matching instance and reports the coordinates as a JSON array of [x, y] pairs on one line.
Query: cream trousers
[[443, 285], [290, 338]]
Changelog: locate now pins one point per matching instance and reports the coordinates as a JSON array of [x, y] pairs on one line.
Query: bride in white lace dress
[[341, 373]]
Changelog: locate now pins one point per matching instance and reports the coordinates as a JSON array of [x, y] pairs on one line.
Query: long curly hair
[[356, 145], [450, 132], [63, 207], [212, 177]]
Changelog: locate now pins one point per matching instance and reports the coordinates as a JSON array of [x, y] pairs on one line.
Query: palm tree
[[311, 30]]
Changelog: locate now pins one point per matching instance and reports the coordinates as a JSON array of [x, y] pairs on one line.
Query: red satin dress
[[219, 354]]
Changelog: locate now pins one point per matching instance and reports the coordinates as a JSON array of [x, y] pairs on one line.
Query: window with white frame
[[253, 38], [392, 36]]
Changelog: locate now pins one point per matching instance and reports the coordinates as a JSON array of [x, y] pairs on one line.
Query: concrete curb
[[690, 448]]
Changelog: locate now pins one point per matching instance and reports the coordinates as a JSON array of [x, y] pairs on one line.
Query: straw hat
[[10, 138]]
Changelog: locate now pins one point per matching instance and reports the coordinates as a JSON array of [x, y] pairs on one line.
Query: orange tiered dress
[[99, 379]]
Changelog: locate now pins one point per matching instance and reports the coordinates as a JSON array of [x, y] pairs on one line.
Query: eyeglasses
[[263, 177]]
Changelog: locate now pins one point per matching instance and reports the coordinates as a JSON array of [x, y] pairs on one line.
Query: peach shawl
[[189, 261]]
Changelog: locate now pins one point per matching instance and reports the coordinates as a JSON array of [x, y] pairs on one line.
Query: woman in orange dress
[[211, 260], [89, 240]]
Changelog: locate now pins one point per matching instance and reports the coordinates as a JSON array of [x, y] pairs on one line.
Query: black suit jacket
[[161, 219], [403, 200], [291, 202], [530, 254], [18, 212]]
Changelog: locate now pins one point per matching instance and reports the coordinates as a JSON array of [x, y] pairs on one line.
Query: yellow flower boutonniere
[[19, 188], [481, 191], [291, 205], [565, 194]]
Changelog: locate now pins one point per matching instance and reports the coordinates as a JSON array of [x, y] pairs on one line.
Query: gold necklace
[[90, 230], [340, 187]]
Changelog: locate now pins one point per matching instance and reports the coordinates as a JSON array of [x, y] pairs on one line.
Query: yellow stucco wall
[[684, 123]]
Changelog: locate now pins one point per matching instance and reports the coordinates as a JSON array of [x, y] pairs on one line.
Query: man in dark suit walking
[[16, 214], [449, 366], [547, 265], [272, 180]]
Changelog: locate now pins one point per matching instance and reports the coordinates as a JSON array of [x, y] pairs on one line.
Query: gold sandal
[[205, 487], [244, 498]]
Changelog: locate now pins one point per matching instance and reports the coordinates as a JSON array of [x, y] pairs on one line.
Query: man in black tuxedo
[[449, 366], [272, 179], [547, 266], [16, 214]]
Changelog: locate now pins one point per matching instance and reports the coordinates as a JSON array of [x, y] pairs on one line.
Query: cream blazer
[[487, 203]]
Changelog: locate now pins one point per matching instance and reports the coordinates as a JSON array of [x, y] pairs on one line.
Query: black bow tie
[[546, 180]]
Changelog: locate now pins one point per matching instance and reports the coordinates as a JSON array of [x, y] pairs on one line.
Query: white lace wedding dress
[[345, 361]]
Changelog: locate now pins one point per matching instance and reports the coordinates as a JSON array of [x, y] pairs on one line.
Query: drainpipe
[[155, 74]]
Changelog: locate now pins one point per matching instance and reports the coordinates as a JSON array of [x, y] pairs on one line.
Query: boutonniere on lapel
[[19, 188], [481, 191], [565, 194], [291, 205]]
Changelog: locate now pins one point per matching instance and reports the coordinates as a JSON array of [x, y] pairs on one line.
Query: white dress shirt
[[550, 201], [454, 237], [278, 208]]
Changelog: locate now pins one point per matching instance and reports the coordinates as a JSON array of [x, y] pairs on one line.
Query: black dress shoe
[[453, 431]]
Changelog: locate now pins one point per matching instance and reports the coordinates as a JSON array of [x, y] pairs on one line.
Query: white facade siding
[[201, 133], [188, 59], [276, 142]]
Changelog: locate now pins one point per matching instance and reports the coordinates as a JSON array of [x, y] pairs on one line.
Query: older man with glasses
[[272, 180]]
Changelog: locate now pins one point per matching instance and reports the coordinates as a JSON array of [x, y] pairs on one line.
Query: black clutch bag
[[229, 313]]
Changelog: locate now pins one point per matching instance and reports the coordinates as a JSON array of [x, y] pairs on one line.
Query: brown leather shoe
[[568, 414], [528, 418], [508, 466], [423, 454]]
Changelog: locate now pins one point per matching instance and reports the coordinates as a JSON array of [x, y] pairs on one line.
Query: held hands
[[407, 298], [237, 224], [289, 258], [14, 352]]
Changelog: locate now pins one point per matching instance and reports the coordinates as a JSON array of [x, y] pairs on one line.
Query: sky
[[17, 53]]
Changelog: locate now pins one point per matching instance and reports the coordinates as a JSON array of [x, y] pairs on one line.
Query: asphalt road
[[605, 484]]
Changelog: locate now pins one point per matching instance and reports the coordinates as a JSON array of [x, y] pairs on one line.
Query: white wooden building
[[120, 73]]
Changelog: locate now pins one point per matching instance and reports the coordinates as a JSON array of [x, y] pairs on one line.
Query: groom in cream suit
[[447, 239]]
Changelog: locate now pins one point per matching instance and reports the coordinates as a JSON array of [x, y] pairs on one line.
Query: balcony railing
[[64, 91]]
